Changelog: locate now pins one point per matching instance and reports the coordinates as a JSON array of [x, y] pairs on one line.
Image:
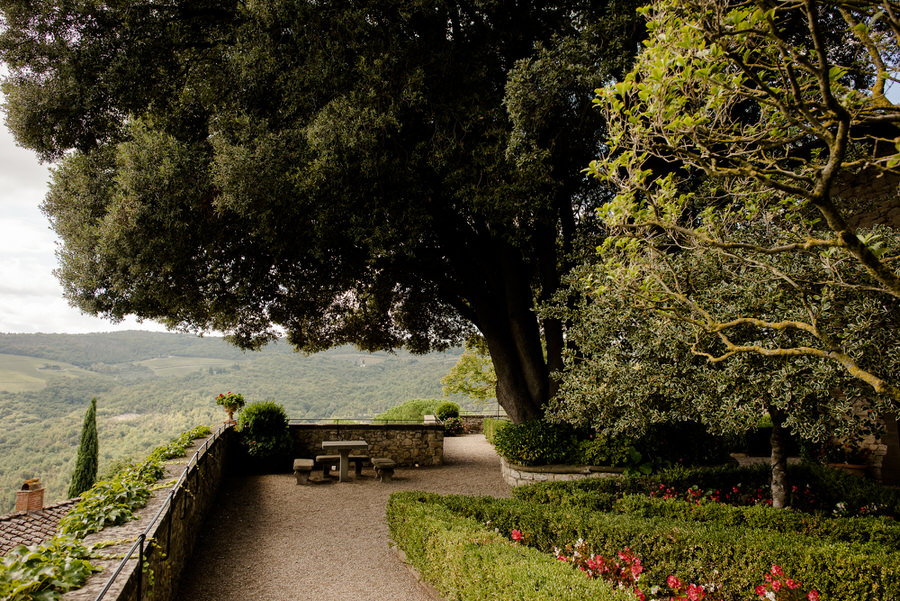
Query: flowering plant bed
[[729, 560]]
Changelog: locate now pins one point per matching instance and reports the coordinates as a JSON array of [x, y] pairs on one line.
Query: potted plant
[[231, 402]]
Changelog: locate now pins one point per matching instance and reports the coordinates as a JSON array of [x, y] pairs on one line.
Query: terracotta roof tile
[[31, 527]]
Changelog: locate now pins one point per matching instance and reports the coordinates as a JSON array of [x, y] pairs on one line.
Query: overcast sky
[[30, 297]]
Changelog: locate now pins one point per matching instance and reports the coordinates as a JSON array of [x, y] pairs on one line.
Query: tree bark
[[510, 326], [780, 495]]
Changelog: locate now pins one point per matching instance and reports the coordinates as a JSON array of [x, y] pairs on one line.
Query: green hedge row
[[700, 552], [879, 531], [491, 425], [466, 561], [824, 489]]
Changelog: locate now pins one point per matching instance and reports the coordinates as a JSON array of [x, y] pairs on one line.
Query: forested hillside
[[151, 386]]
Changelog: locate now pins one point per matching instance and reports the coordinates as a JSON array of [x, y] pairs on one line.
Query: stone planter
[[517, 475]]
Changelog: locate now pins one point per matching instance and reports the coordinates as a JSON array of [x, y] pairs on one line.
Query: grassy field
[[182, 366], [22, 374]]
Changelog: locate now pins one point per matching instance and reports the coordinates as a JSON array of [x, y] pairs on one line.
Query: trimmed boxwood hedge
[[880, 531], [829, 487], [492, 425], [736, 557], [466, 561]]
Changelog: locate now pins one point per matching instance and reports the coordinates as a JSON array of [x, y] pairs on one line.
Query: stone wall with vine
[[171, 541]]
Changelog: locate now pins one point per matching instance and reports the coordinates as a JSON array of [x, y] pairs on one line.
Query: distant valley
[[151, 386]]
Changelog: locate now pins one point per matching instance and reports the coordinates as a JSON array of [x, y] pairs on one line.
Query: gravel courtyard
[[271, 540]]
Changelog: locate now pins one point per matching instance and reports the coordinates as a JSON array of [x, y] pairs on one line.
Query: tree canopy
[[734, 138], [391, 174]]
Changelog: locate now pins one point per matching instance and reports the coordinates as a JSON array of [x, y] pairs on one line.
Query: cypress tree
[[88, 454]]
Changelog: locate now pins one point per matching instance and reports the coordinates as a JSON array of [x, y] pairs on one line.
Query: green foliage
[[138, 407], [465, 560], [535, 443], [411, 411], [205, 154], [473, 375], [454, 426], [830, 491], [884, 532], [86, 464], [231, 401], [732, 557], [44, 572], [447, 410], [111, 502], [735, 214], [264, 429], [602, 450], [491, 426]]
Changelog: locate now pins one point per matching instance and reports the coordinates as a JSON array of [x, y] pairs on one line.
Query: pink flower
[[761, 590], [792, 584], [640, 595], [673, 582], [812, 596], [776, 570], [776, 585], [516, 535], [694, 592]]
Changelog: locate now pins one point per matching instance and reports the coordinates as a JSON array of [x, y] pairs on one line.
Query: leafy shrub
[[535, 443], [602, 450], [819, 489], [454, 426], [231, 401], [413, 410], [264, 429], [447, 410], [734, 557], [492, 425], [464, 559], [44, 571], [880, 531], [61, 564]]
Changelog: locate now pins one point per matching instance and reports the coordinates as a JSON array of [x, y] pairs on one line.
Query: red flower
[[776, 570], [516, 535], [761, 590], [673, 582], [812, 596]]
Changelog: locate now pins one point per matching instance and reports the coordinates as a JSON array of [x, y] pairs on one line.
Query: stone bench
[[302, 468], [327, 461], [384, 468]]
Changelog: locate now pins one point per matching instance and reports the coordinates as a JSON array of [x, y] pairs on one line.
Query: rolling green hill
[[151, 386]]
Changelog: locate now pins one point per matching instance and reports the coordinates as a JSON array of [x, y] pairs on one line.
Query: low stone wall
[[475, 423], [171, 541], [407, 444], [517, 475]]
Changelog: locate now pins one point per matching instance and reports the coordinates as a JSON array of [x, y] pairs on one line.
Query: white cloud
[[31, 298]]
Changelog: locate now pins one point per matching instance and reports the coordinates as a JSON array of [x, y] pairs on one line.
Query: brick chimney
[[31, 497]]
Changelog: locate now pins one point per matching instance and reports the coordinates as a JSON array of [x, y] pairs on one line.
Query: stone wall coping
[[565, 469]]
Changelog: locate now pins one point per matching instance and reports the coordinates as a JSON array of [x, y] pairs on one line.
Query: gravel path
[[271, 540]]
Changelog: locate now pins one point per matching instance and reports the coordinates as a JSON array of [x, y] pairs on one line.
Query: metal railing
[[139, 544]]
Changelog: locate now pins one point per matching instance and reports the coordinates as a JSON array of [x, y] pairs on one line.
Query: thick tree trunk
[[780, 495], [508, 322]]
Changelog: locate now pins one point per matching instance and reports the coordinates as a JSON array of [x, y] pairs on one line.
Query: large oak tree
[[389, 174]]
